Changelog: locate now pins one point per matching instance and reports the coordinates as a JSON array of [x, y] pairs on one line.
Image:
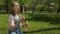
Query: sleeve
[[11, 21]]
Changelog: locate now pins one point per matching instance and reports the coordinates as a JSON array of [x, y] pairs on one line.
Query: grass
[[37, 25]]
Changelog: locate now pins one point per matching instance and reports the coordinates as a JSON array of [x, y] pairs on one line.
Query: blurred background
[[43, 16]]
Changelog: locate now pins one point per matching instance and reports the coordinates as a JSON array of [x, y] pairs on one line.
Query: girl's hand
[[22, 18], [21, 25], [11, 28]]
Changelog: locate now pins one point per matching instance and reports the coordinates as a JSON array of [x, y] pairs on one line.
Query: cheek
[[18, 7]]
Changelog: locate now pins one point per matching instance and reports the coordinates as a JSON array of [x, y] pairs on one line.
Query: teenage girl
[[15, 19]]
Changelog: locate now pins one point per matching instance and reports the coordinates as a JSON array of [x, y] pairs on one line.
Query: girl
[[14, 19]]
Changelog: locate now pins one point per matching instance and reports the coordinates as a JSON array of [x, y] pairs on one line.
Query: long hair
[[11, 7]]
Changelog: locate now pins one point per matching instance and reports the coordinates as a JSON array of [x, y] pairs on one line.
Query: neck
[[13, 14]]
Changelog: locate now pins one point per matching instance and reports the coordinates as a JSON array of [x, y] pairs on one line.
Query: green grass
[[35, 26]]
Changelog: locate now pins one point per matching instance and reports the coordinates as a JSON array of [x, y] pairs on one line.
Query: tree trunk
[[7, 6], [34, 6], [58, 7]]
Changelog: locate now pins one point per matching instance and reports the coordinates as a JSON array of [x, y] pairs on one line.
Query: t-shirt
[[12, 19]]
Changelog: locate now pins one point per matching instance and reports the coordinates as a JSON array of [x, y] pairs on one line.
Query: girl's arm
[[11, 23], [13, 27], [22, 19]]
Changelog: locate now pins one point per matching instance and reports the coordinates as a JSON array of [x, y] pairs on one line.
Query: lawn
[[38, 24]]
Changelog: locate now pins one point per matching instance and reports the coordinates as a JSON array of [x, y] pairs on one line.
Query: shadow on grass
[[52, 18], [39, 30]]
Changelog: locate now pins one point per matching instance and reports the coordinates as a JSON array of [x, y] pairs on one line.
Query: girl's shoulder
[[10, 16]]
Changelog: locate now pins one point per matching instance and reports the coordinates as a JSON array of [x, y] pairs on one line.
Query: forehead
[[16, 3]]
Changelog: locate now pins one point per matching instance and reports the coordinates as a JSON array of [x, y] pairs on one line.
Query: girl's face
[[16, 8]]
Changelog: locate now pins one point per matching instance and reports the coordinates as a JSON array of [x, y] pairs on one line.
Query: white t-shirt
[[12, 19]]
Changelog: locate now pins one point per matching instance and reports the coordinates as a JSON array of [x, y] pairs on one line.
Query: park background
[[43, 16]]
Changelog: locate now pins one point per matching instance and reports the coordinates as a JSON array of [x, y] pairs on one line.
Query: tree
[[58, 7], [34, 5], [7, 5]]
